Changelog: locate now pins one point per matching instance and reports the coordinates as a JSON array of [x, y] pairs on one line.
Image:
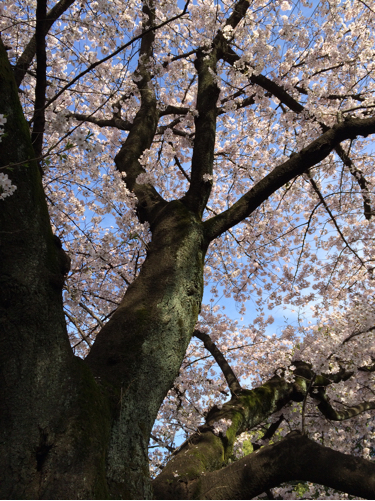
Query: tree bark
[[65, 433], [54, 420], [140, 350], [294, 458], [207, 451], [80, 429]]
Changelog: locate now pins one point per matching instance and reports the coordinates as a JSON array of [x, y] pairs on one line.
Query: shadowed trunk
[[65, 434], [54, 421]]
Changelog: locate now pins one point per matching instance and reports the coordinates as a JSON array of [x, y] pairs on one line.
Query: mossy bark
[[141, 348], [294, 457], [205, 452]]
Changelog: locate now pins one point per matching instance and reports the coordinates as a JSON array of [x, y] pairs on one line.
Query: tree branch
[[205, 132], [359, 177], [233, 383], [41, 78], [205, 451], [324, 203], [76, 325], [28, 54], [296, 457], [205, 123], [117, 51], [144, 127], [330, 413], [298, 163], [278, 91], [116, 122]]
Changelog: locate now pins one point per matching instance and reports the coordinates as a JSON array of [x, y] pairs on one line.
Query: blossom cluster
[[6, 187], [221, 426]]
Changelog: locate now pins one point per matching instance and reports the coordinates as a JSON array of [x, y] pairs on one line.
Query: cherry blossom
[[298, 267]]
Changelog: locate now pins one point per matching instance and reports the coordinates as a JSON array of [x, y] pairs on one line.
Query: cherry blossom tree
[[150, 149]]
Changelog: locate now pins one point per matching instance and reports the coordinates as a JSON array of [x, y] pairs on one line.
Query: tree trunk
[[140, 350], [54, 421], [64, 433]]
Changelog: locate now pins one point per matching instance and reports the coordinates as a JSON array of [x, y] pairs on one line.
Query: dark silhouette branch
[[226, 369], [41, 78], [116, 122], [285, 98], [205, 123], [144, 127], [205, 132], [355, 334], [28, 54], [333, 219], [271, 430], [359, 177], [298, 164], [330, 413]]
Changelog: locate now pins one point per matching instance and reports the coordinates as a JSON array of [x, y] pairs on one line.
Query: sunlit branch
[[248, 101], [342, 97], [179, 56], [205, 123], [226, 369], [205, 132], [231, 58]]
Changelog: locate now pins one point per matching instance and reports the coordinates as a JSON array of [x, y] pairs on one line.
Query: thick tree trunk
[[53, 419], [140, 350], [63, 433]]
